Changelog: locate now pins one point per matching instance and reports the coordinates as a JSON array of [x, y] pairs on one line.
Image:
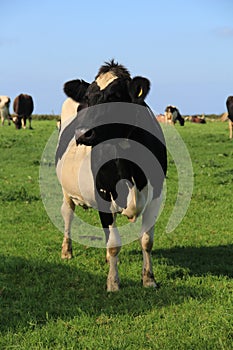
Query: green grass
[[46, 303]]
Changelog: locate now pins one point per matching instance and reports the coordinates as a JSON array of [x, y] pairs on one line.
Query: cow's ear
[[138, 89], [76, 89]]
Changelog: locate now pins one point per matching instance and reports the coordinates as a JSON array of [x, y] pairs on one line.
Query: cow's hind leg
[[147, 238], [67, 210]]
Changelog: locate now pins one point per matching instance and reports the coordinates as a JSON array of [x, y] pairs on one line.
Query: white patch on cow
[[137, 201], [150, 214], [76, 162], [114, 237], [23, 124], [105, 79], [69, 109]]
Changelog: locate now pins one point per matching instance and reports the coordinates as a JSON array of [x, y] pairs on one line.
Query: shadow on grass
[[200, 261], [34, 291]]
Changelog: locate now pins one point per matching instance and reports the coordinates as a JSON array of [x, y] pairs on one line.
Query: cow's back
[[23, 105]]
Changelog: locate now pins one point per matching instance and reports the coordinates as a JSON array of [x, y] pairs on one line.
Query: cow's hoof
[[66, 252], [66, 255], [113, 285], [149, 283]]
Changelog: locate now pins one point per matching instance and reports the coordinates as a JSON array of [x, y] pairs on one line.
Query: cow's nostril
[[89, 134], [84, 136]]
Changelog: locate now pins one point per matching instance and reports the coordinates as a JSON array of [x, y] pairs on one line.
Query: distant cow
[[229, 104], [4, 109], [172, 114], [23, 108], [197, 119], [101, 162], [162, 118]]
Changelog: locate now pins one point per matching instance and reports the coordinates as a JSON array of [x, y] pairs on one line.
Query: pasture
[[47, 303]]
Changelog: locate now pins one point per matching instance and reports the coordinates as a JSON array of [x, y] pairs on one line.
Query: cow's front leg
[[24, 122], [147, 238], [113, 249], [113, 243], [67, 210]]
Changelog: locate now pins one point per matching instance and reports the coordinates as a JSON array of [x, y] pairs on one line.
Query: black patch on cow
[[122, 168], [76, 89], [116, 91], [23, 105], [65, 138], [229, 103], [138, 89], [104, 125]]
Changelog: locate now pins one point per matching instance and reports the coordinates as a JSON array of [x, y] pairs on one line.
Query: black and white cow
[[23, 107], [112, 157], [229, 103], [173, 115]]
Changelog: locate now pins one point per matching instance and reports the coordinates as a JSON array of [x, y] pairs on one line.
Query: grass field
[[47, 303]]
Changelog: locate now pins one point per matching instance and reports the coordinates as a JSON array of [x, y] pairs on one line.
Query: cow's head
[[17, 120], [112, 84]]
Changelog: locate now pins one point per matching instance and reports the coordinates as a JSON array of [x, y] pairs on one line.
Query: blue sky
[[184, 47]]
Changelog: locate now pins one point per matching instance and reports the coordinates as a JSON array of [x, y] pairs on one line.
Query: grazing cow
[[23, 108], [229, 104], [112, 157], [196, 119], [172, 114], [5, 109]]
